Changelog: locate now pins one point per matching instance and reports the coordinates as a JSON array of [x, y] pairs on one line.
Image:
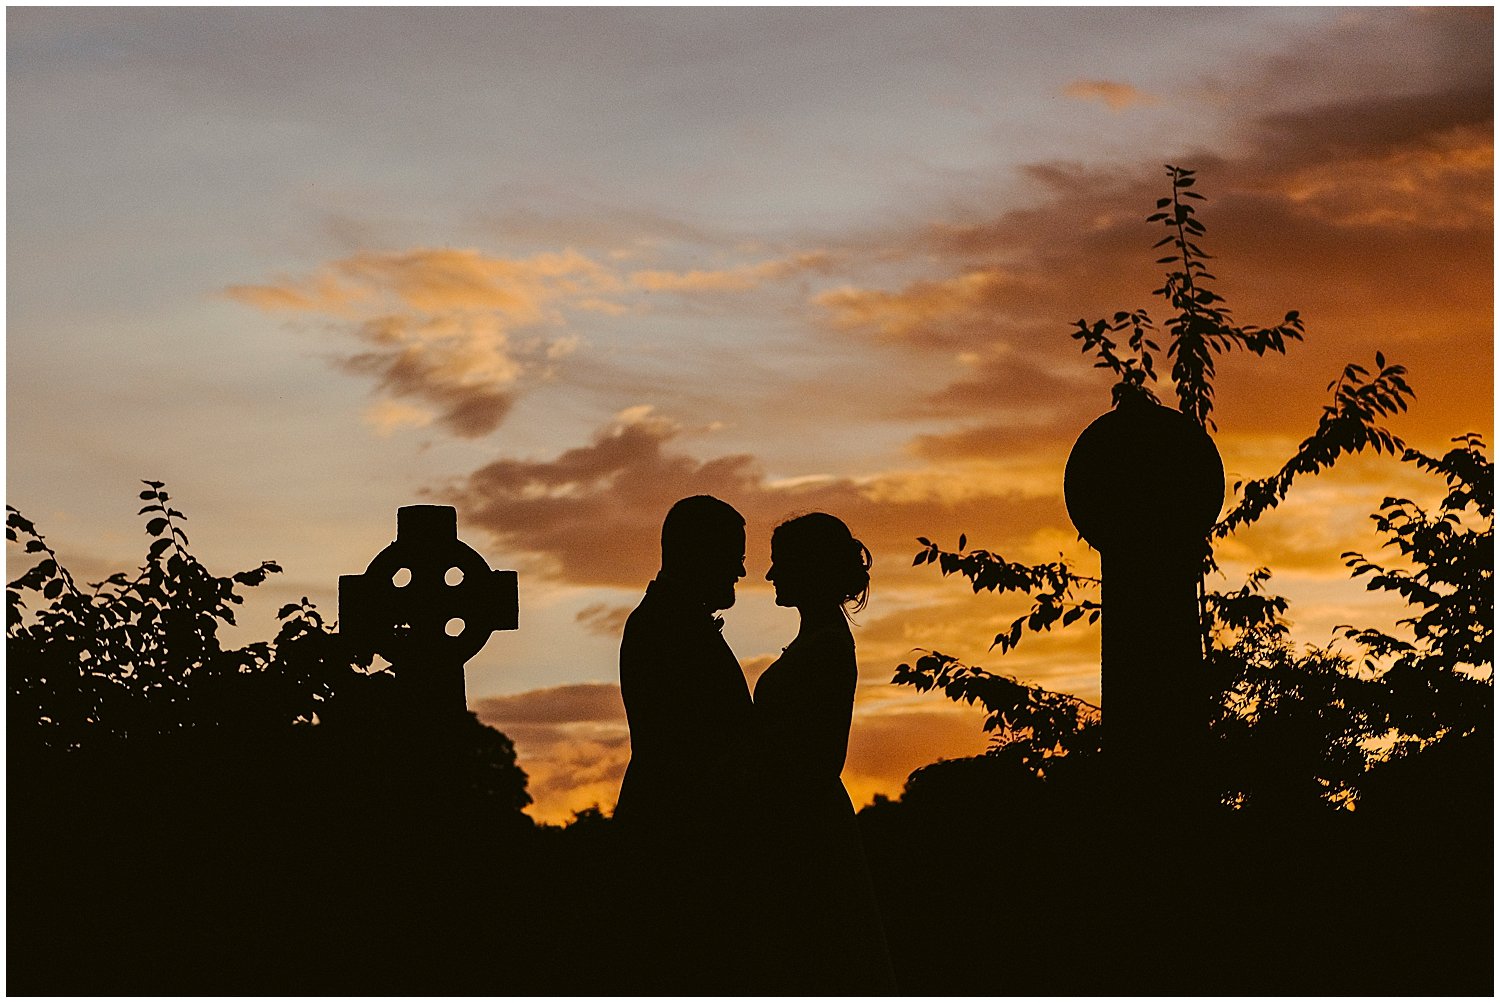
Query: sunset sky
[[561, 267]]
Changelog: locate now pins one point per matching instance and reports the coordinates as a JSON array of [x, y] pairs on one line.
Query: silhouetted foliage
[[1028, 724], [1441, 683], [138, 655], [1202, 326], [252, 812], [137, 658], [1347, 425], [1287, 725]]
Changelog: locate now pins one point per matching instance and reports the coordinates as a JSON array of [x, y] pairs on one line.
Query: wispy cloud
[[602, 618], [742, 278], [449, 335], [453, 336], [1118, 96], [932, 312]]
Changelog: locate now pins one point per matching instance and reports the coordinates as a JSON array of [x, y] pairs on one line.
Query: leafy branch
[[1133, 370], [1347, 425], [1049, 586], [1250, 608], [1451, 579], [1038, 723], [1201, 328]]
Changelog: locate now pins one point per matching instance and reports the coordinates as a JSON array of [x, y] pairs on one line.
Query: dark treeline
[[314, 867], [188, 818]]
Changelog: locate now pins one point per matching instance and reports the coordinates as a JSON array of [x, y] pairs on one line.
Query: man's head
[[703, 548]]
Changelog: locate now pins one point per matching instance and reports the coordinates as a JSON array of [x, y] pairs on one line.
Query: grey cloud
[[603, 619]]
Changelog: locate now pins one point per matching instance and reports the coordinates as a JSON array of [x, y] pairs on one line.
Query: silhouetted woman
[[826, 936]]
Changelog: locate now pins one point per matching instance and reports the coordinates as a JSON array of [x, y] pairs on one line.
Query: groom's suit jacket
[[689, 712]]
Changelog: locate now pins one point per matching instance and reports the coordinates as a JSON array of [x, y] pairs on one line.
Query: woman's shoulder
[[828, 650], [832, 637]]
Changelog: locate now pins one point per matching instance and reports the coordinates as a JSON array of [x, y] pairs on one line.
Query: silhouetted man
[[687, 790]]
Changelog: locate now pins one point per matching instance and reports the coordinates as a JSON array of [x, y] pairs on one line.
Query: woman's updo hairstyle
[[822, 550]]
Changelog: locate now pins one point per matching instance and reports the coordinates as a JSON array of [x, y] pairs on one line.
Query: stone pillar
[[1143, 486]]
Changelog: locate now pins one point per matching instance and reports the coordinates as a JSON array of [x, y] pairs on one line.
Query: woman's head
[[816, 561]]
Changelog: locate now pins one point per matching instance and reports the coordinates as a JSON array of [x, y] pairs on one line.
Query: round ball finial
[[1143, 476]]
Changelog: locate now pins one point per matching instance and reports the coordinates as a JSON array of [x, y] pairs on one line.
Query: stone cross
[[1143, 485], [427, 603]]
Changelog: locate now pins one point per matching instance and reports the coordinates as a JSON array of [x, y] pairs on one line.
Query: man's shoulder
[[652, 627], [649, 615], [662, 609]]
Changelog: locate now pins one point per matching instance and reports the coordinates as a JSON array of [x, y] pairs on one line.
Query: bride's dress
[[831, 937]]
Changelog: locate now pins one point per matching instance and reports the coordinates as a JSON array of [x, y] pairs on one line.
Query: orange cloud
[[280, 297], [592, 514], [439, 326], [1116, 95], [387, 416], [1372, 217], [437, 281], [740, 279], [936, 313], [1438, 184], [572, 742], [453, 336], [581, 702]]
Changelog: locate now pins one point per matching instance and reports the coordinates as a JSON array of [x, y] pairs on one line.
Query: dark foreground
[[232, 877]]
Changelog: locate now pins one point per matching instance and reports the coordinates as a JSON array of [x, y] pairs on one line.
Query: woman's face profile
[[787, 576]]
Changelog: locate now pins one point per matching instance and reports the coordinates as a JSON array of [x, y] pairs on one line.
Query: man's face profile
[[723, 566], [703, 548]]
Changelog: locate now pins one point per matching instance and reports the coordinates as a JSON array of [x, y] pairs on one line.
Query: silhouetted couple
[[748, 872]]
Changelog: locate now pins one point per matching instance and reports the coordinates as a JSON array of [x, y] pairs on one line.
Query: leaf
[[155, 527], [157, 548], [962, 541], [53, 589]]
